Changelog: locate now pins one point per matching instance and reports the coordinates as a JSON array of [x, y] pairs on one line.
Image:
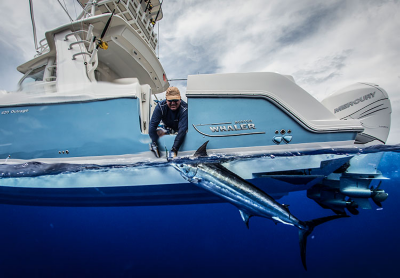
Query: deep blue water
[[199, 240]]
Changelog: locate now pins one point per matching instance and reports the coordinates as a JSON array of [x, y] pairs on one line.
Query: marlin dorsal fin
[[202, 151]]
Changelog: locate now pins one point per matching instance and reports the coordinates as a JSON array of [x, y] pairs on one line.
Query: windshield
[[35, 75]]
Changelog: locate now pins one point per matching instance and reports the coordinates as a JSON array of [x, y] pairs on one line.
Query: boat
[[76, 131]]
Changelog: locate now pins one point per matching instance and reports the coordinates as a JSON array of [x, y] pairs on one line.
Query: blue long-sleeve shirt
[[177, 120]]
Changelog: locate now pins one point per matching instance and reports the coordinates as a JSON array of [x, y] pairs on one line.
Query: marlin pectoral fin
[[286, 207], [245, 217], [202, 151]]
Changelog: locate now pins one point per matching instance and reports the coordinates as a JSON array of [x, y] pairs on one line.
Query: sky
[[324, 45]]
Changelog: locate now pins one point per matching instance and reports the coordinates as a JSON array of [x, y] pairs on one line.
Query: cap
[[173, 93]]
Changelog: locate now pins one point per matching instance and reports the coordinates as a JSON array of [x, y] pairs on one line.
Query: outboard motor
[[368, 103]]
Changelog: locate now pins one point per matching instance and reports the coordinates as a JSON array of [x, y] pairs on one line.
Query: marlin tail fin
[[303, 234]]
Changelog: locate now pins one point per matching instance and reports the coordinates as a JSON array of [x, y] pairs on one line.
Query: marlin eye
[[181, 165]]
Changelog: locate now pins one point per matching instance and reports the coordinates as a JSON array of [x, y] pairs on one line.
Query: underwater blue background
[[199, 240]]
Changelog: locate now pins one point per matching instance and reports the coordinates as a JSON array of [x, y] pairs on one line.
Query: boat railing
[[78, 42], [75, 33], [87, 49], [42, 48], [81, 53]]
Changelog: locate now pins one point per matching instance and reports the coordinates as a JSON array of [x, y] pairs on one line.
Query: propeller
[[352, 207], [378, 195]]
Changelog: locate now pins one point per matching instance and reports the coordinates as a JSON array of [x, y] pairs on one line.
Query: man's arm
[[155, 120], [182, 129]]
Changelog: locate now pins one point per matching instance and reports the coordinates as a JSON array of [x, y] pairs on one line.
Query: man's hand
[[154, 148]]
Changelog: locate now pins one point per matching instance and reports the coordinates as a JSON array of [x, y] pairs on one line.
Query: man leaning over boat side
[[173, 111]]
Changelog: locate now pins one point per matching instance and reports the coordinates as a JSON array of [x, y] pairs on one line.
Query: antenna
[[65, 10], [33, 24], [158, 31]]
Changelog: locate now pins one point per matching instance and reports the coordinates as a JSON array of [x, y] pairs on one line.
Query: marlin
[[250, 200]]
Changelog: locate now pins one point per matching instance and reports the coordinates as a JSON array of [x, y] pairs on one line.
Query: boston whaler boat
[[76, 131]]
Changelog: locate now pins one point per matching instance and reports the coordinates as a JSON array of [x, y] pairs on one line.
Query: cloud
[[309, 21], [323, 69]]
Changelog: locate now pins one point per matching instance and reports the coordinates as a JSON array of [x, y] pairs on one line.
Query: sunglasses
[[173, 100]]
